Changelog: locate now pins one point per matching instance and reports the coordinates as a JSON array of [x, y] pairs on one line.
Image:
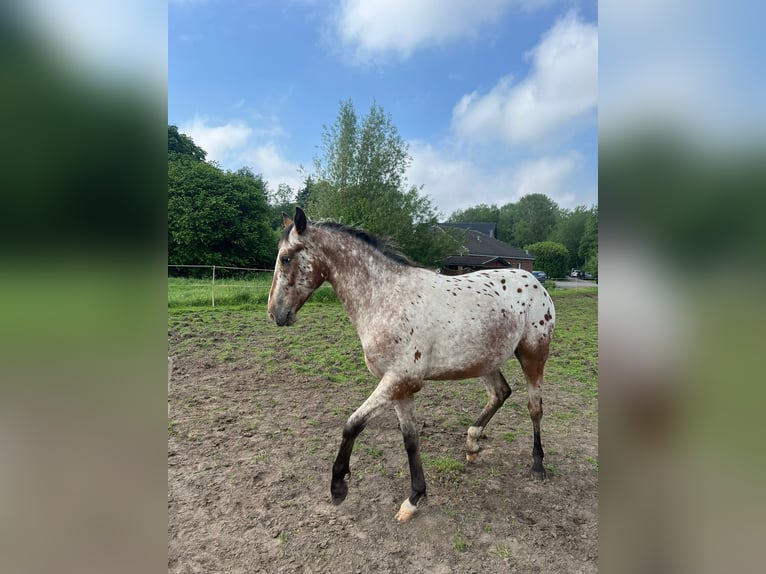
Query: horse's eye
[[285, 260]]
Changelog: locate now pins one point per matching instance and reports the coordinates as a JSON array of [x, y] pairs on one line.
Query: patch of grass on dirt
[[509, 436], [458, 540], [501, 551], [445, 463], [372, 451]]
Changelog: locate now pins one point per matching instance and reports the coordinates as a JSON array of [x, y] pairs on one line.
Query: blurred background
[[682, 166], [82, 335], [682, 190]]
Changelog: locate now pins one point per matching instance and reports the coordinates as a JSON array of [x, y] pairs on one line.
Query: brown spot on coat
[[417, 356], [518, 290]]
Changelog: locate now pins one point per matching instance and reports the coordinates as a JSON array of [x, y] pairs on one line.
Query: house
[[482, 251]]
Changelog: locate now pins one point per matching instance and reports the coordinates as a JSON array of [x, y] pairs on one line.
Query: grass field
[[194, 293]]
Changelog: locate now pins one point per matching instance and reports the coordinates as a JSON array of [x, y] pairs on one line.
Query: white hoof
[[406, 511], [472, 447]]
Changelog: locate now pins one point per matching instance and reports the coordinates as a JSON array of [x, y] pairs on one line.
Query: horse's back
[[455, 327]]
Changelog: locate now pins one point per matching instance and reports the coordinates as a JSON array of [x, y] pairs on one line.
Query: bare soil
[[249, 458]]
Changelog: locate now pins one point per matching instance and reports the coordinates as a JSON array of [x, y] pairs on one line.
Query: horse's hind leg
[[497, 391], [533, 364], [405, 410]]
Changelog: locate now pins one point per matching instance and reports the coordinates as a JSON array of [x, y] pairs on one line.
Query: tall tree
[[506, 218], [305, 194], [182, 144], [360, 179], [216, 217], [481, 213], [588, 248], [536, 215], [569, 231]]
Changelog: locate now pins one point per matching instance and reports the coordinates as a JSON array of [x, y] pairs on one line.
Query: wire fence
[[255, 281]]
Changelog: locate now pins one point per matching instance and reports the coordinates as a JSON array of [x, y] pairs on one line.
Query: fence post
[[212, 289]]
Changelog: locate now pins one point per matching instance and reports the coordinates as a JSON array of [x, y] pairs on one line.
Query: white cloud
[[560, 91], [460, 183], [230, 145], [549, 176], [220, 142], [275, 168], [374, 31]]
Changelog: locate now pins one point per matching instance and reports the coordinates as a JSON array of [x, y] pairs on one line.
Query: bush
[[552, 257]]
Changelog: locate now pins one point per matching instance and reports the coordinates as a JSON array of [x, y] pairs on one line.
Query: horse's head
[[296, 273]]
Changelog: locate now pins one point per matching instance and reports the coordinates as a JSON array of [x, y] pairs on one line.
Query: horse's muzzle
[[282, 317]]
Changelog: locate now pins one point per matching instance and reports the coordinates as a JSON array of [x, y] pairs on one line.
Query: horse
[[416, 325]]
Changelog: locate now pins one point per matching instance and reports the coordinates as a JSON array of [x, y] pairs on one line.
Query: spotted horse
[[417, 325]]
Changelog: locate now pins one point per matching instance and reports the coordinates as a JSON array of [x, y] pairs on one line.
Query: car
[[586, 275], [574, 272], [540, 275]]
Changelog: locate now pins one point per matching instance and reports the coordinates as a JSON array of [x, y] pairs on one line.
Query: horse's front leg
[[379, 398], [405, 410]]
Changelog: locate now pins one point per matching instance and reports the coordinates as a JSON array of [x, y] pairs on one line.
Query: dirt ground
[[249, 458]]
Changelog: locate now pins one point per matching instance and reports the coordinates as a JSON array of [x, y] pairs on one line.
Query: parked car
[[574, 272], [585, 275], [541, 276]]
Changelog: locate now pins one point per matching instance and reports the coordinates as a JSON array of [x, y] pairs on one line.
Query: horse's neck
[[360, 275]]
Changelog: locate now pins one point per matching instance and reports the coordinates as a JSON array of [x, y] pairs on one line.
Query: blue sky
[[496, 99]]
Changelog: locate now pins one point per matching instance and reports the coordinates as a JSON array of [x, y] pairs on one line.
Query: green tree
[[306, 193], [481, 213], [360, 179], [506, 218], [535, 217], [569, 231], [216, 217], [588, 248], [182, 144], [551, 257]]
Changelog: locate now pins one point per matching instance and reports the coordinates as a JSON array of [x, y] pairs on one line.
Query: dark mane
[[376, 243]]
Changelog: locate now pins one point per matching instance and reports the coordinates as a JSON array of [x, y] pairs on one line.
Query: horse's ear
[[286, 221], [300, 220]]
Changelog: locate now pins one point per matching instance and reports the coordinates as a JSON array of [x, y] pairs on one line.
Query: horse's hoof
[[339, 492], [538, 473], [471, 456], [406, 511]]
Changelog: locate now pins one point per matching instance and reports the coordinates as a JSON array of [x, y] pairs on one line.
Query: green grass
[[458, 540], [249, 292], [501, 551], [574, 350], [445, 464]]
